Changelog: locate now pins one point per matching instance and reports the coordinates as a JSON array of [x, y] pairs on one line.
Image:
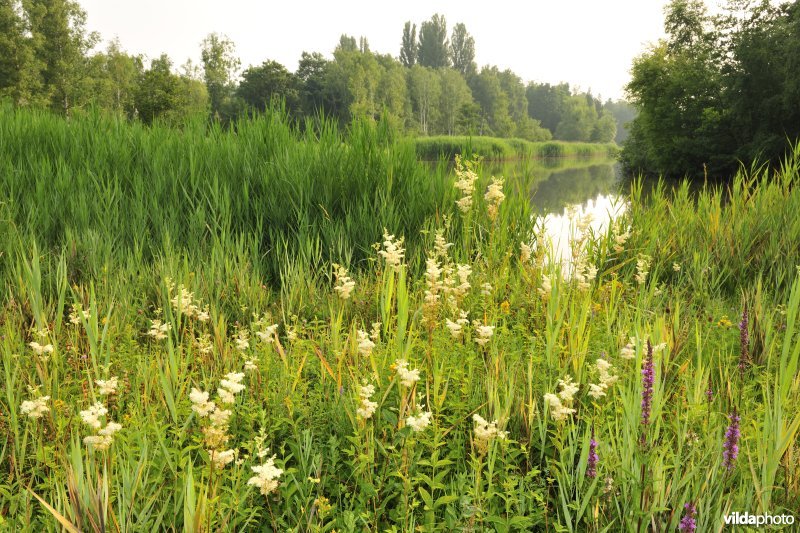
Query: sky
[[588, 43]]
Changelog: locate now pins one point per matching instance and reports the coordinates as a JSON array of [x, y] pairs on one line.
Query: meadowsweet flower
[[591, 463], [648, 380], [250, 365], [365, 345], [494, 196], [420, 421], [462, 285], [41, 350], [291, 333], [204, 344], [731, 445], [204, 315], [484, 333], [524, 253], [108, 386], [393, 251], [642, 268], [486, 431], [222, 458], [546, 288], [200, 403], [568, 388], [266, 478], [407, 377], [77, 313], [559, 403], [688, 523], [267, 334], [486, 289], [158, 330], [91, 416], [367, 407], [465, 183], [620, 239], [344, 284], [676, 267], [35, 408], [456, 328], [629, 350], [230, 386], [375, 332]]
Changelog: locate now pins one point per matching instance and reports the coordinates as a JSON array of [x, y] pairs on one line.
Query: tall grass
[[200, 268]]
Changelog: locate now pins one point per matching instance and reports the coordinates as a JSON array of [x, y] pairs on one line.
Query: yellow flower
[[505, 307]]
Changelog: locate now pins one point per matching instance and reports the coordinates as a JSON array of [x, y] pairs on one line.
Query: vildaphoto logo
[[747, 519]]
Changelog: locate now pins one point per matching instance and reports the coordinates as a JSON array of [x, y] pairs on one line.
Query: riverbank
[[495, 148]]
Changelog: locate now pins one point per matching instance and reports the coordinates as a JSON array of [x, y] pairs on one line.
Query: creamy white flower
[[420, 421], [486, 431], [233, 382], [407, 377], [365, 345], [225, 396], [524, 253], [222, 458], [220, 417], [642, 268], [35, 408], [91, 416], [557, 409], [158, 330], [200, 403], [546, 288], [676, 267], [250, 365], [344, 284], [266, 478], [367, 408], [629, 350], [484, 333], [108, 386], [375, 333], [98, 442], [268, 334], [393, 251]]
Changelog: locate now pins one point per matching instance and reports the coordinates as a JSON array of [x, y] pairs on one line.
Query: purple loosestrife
[[648, 378], [688, 523], [744, 339], [591, 466], [709, 393], [731, 444]]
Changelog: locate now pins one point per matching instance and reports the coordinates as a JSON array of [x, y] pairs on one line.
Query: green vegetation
[[494, 148], [719, 90], [464, 386], [434, 88]]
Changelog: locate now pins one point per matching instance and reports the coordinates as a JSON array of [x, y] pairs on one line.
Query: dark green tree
[[408, 48], [262, 84], [434, 49], [462, 51], [311, 72], [220, 65]]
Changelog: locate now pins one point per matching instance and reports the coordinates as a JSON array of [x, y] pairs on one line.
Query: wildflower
[[486, 289], [456, 328], [709, 393], [222, 458], [365, 345], [620, 239], [484, 333], [344, 283], [266, 478], [107, 387], [91, 416], [291, 333], [250, 365], [229, 386], [485, 432], [731, 444], [375, 332], [629, 350], [648, 379], [524, 253], [465, 183], [40, 350], [546, 288], [494, 196], [77, 314], [158, 330], [204, 344], [642, 268], [407, 377], [591, 464], [568, 388], [393, 250], [200, 403], [35, 408], [463, 272], [744, 341], [268, 333], [688, 523], [368, 407], [419, 422], [676, 267], [558, 410], [203, 315]]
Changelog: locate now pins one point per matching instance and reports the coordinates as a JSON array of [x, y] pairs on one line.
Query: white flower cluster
[[77, 313], [43, 351], [629, 350], [367, 407], [184, 303], [546, 288], [597, 390], [230, 386], [559, 408], [107, 386], [407, 377], [465, 183], [266, 478], [457, 328], [420, 421], [266, 332], [105, 434], [642, 268], [204, 345], [484, 333], [365, 345], [525, 253], [215, 434], [158, 330], [242, 339], [375, 332], [620, 239], [494, 196], [35, 408], [583, 274], [392, 251], [486, 431], [344, 284]]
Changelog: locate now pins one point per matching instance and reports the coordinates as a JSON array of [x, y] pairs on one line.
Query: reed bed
[[450, 377]]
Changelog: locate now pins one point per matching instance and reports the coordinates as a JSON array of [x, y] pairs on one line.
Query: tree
[[546, 103], [462, 51], [19, 74], [424, 88], [433, 49], [489, 94], [157, 93], [454, 95], [578, 119], [408, 48], [261, 84], [220, 65], [311, 72]]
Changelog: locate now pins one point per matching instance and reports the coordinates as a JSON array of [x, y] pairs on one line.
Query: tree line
[[48, 58], [718, 91]]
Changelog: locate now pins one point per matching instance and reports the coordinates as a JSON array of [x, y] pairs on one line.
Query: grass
[[80, 280], [495, 148]]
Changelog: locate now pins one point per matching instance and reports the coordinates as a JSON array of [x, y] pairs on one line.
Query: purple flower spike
[[744, 340], [591, 467], [731, 444], [648, 378], [688, 523]]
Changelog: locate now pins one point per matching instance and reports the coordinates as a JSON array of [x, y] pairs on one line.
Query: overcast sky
[[587, 43]]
